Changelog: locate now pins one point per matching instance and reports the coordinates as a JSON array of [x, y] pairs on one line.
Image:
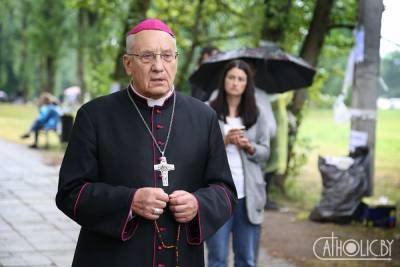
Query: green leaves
[[31, 31]]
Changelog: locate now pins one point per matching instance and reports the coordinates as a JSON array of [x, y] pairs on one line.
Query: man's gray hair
[[130, 41]]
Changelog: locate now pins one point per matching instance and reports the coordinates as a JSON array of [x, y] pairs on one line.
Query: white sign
[[357, 138]]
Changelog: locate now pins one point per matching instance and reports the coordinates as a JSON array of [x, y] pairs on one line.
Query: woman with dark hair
[[247, 146]]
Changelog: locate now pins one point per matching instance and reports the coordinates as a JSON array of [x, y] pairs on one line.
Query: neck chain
[[162, 151]]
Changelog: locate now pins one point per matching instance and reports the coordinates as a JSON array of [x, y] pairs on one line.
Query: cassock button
[[159, 248], [163, 229], [158, 111], [159, 126], [161, 143]]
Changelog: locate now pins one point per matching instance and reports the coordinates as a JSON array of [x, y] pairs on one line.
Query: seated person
[[48, 117]]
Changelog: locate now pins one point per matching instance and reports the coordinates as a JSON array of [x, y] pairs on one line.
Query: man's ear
[[126, 60]]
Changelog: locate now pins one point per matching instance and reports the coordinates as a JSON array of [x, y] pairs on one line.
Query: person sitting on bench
[[48, 117]]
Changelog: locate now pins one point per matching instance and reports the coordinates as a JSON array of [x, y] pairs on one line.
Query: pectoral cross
[[164, 168]]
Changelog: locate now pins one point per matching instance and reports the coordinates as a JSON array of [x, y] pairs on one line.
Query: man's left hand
[[183, 206]]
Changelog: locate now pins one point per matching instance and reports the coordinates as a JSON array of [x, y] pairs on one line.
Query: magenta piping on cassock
[[78, 198], [125, 235], [193, 241], [226, 196]]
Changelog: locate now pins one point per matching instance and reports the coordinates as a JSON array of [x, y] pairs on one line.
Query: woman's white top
[[234, 159]]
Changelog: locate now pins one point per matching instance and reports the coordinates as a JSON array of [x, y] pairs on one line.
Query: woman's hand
[[236, 137], [233, 136], [245, 144]]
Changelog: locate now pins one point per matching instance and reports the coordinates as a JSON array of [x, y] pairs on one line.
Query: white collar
[[154, 102]]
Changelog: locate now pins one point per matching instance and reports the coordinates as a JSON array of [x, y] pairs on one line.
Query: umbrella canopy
[[276, 71]]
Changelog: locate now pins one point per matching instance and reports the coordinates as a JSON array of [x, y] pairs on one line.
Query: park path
[[33, 232]]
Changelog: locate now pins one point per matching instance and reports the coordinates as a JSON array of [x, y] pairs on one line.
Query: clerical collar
[[154, 102]]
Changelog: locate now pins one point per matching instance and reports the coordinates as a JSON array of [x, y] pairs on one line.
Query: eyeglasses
[[150, 57]]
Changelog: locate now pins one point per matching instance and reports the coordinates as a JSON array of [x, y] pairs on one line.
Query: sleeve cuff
[[254, 155], [84, 186], [131, 223], [193, 228]]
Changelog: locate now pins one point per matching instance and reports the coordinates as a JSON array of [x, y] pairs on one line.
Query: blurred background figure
[[115, 87], [3, 96], [48, 118], [19, 97], [247, 146], [205, 53], [71, 99]]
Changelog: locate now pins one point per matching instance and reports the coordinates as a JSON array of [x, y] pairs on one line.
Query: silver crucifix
[[164, 168]]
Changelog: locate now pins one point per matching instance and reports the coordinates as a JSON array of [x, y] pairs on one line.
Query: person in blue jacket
[[48, 117]]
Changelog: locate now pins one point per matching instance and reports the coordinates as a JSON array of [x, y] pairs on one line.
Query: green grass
[[17, 119], [329, 138]]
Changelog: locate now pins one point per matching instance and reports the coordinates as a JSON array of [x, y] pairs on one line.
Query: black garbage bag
[[343, 189]]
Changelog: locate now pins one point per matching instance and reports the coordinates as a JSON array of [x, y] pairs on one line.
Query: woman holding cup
[[247, 146]]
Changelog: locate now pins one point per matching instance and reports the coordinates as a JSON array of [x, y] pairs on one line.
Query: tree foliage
[[225, 24], [80, 42], [51, 45], [390, 72]]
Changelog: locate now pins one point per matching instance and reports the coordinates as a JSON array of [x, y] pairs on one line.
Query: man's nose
[[157, 64]]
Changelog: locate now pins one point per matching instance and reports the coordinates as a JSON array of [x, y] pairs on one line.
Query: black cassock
[[111, 154]]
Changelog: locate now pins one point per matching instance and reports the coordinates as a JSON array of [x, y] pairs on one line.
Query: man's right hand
[[149, 202]]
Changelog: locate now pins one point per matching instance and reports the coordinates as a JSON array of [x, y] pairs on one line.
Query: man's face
[[155, 78]]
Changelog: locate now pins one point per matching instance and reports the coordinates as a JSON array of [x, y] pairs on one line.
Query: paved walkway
[[33, 232]]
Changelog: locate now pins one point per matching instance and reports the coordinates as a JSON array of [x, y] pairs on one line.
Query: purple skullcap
[[151, 24]]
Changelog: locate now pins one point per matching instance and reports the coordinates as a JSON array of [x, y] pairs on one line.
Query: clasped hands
[[236, 137], [150, 202]]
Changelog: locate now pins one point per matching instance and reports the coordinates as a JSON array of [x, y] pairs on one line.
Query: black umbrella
[[276, 71]]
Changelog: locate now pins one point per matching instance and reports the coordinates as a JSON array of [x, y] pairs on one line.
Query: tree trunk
[[2, 46], [137, 12], [310, 51], [366, 73], [313, 44], [195, 42], [282, 10], [23, 73], [50, 72], [275, 32], [82, 26]]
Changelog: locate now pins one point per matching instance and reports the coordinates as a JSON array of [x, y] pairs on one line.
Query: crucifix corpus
[[164, 168]]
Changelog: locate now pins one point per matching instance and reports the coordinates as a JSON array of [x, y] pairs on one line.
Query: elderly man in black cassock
[[145, 173]]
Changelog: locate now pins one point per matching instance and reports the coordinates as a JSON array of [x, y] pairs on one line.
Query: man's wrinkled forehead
[[150, 40]]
